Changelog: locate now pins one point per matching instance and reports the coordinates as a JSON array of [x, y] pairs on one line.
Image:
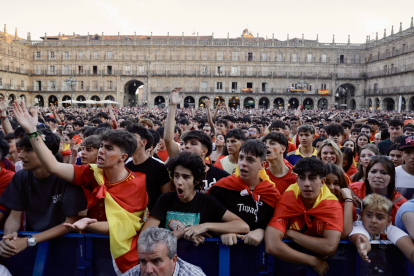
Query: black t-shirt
[[244, 207], [46, 202], [156, 176], [175, 214], [213, 175]]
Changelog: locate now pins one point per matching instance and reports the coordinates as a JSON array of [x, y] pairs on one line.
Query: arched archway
[[264, 103], [96, 98], [217, 100], [201, 101], [370, 106], [279, 103], [109, 98], [388, 104], [159, 101], [403, 104], [323, 103], [22, 98], [249, 102], [39, 101], [53, 100], [81, 98], [66, 98], [234, 102], [352, 104], [293, 103], [12, 98], [308, 103], [377, 104], [344, 92], [411, 104], [189, 102], [130, 91]]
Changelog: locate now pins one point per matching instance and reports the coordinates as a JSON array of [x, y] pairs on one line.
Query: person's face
[[310, 185], [103, 119], [377, 140], [346, 131], [278, 129], [69, 128], [246, 133], [67, 140], [89, 155], [156, 262], [362, 141], [344, 160], [333, 183], [12, 145], [305, 138], [349, 144], [309, 123], [375, 221], [29, 159], [261, 127], [378, 178], [161, 144], [366, 131], [395, 131], [140, 142], [221, 128], [207, 130], [322, 132], [176, 134], [184, 183], [233, 145], [317, 130], [249, 165], [396, 157], [354, 135], [336, 138], [77, 127], [253, 134], [318, 145], [220, 141], [287, 131], [365, 157], [274, 150], [408, 157], [155, 127], [194, 146], [109, 155], [328, 155], [374, 127], [408, 133], [294, 124]]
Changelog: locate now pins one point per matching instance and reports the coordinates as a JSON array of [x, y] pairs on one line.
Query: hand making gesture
[[175, 97], [28, 121]]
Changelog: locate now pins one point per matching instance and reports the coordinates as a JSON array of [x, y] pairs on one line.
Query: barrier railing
[[88, 254]]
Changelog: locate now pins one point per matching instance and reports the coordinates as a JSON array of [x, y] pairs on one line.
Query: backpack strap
[[397, 199]]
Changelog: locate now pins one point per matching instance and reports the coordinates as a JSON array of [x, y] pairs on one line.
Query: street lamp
[[302, 84], [71, 82]]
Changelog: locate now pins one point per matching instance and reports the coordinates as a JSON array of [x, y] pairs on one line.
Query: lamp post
[[71, 82], [302, 84]]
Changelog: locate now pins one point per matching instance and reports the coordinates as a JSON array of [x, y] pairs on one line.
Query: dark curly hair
[[310, 164], [236, 133], [143, 132], [254, 147], [123, 139], [334, 129], [203, 138], [189, 161]]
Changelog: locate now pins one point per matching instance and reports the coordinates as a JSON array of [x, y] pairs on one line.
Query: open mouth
[[180, 191], [100, 160], [268, 152]]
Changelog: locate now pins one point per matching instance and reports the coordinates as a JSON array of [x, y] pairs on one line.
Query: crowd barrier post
[[41, 256]]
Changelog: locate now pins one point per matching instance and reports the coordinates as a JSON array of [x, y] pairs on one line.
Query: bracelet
[[348, 198], [35, 134]]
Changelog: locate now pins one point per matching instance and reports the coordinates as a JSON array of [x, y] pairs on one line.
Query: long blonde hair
[[336, 149]]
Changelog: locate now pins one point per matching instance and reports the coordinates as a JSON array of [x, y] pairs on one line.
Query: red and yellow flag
[[126, 211], [326, 208], [323, 91]]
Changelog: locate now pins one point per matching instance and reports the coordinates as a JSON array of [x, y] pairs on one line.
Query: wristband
[[36, 134]]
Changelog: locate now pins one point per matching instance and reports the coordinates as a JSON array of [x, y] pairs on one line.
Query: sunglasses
[[381, 157]]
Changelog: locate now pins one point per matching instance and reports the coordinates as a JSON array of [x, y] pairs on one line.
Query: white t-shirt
[[404, 182], [393, 233], [227, 165]]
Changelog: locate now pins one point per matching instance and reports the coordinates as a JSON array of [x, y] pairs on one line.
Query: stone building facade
[[246, 71]]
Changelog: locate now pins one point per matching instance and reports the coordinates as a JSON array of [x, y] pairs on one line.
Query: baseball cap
[[406, 142]]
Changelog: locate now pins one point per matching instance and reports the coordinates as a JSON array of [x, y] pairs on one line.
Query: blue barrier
[[88, 254]]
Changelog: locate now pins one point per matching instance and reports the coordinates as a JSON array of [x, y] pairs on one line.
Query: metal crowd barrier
[[88, 254]]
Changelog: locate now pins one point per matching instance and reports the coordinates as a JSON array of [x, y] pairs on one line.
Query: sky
[[357, 18]]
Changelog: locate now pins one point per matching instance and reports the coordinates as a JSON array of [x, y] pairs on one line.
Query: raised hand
[[363, 247], [3, 105], [207, 103], [175, 97], [28, 121], [73, 146]]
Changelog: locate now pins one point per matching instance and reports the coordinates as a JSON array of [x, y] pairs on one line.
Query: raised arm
[[209, 118], [5, 123], [52, 107], [46, 158], [170, 144]]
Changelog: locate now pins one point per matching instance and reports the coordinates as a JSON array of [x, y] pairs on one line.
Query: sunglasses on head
[[381, 157]]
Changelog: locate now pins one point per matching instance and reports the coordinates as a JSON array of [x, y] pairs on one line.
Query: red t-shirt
[[163, 154], [291, 147], [282, 183], [7, 164], [5, 177]]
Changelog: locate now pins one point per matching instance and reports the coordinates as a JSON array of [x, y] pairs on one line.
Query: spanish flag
[[326, 208], [265, 191], [126, 211], [323, 91]]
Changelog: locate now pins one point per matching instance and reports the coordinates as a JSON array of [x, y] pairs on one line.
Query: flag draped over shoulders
[[126, 211], [326, 207], [265, 190]]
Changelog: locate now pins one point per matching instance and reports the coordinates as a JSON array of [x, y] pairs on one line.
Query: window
[[109, 55], [95, 70], [341, 59], [22, 68], [189, 56], [22, 84], [109, 70], [265, 72], [235, 56], [65, 69], [375, 87], [52, 55], [294, 57], [204, 85], [219, 85], [95, 55], [387, 53], [204, 56], [52, 69], [80, 55], [249, 56], [323, 58], [264, 56], [95, 84], [385, 69], [1, 82], [264, 87], [378, 55], [279, 57], [38, 69], [355, 59], [80, 69], [219, 55], [52, 85], [66, 55], [159, 84], [127, 69], [219, 70], [110, 85], [250, 85], [81, 85], [204, 70], [323, 85], [38, 55], [250, 71], [404, 47], [233, 86], [142, 69], [234, 70], [309, 58]]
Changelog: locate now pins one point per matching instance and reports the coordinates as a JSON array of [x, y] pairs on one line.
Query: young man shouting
[[305, 134]]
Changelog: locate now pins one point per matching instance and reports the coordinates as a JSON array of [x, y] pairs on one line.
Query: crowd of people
[[244, 175]]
